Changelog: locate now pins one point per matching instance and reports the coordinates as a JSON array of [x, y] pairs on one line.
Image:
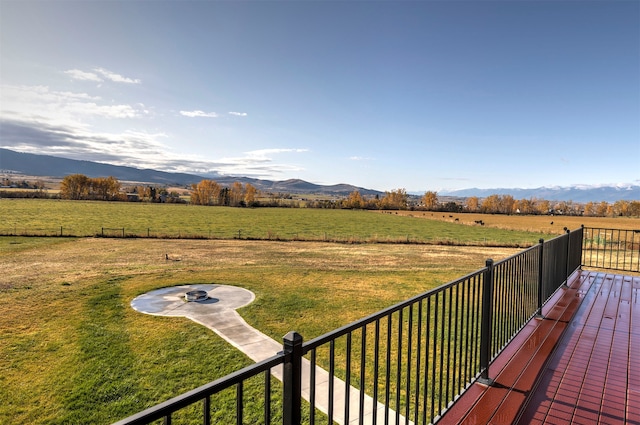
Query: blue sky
[[420, 95]]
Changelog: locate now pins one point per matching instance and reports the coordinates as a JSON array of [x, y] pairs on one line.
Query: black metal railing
[[612, 249], [405, 364]]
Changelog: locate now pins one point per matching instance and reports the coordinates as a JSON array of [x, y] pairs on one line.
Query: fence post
[[485, 331], [292, 378], [540, 279]]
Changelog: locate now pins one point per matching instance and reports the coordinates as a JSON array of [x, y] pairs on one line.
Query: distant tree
[[250, 193], [621, 208], [236, 194], [105, 189], [354, 201], [395, 200], [223, 197], [634, 208], [490, 204], [207, 192], [75, 186], [473, 204], [430, 200], [506, 204], [543, 206]]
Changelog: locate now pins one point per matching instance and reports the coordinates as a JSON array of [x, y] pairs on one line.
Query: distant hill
[[580, 194], [56, 167], [52, 166]]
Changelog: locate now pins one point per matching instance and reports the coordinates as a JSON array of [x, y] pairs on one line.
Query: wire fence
[[254, 234]]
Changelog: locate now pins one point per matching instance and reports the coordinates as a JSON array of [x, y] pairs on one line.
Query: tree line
[[210, 192]]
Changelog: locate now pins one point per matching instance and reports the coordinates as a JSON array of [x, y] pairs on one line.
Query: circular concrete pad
[[170, 301]]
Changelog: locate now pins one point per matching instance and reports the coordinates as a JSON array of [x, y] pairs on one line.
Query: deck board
[[574, 367]]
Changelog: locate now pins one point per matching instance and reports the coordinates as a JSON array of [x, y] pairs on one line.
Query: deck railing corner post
[[292, 379], [568, 257], [540, 279], [485, 331]]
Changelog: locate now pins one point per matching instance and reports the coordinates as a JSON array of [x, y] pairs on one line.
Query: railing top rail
[[612, 229], [160, 410], [336, 333], [518, 254]]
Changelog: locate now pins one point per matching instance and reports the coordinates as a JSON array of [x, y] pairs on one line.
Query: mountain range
[[56, 167], [52, 166], [577, 193]]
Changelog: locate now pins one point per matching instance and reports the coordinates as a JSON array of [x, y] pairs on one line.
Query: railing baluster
[[448, 339], [267, 397], [418, 358], [409, 353], [312, 389], [443, 338], [376, 366], [363, 358], [347, 380], [239, 403], [388, 372], [435, 353], [427, 334], [399, 366], [207, 410], [332, 351]]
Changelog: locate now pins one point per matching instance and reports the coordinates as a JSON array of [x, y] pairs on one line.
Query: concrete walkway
[[218, 314]]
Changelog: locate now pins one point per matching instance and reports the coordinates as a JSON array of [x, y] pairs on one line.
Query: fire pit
[[198, 295]]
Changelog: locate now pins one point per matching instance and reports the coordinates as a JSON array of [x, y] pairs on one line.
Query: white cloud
[[77, 74], [238, 114], [112, 76], [197, 113], [264, 153], [361, 158], [99, 75], [106, 111], [42, 104]]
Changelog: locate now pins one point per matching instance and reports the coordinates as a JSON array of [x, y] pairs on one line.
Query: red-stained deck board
[[584, 367], [589, 378], [518, 366]]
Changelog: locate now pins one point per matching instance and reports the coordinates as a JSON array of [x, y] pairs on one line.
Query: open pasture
[[73, 351], [85, 218], [551, 224]]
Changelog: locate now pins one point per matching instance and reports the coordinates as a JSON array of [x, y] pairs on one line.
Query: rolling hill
[[51, 166]]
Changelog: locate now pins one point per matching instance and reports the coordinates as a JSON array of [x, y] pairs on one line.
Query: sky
[[384, 95]]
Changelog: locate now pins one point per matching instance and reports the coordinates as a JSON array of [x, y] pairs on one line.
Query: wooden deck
[[579, 364]]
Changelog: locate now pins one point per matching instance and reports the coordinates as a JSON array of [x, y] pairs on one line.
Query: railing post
[[292, 379], [566, 264], [581, 246], [540, 279], [485, 330]]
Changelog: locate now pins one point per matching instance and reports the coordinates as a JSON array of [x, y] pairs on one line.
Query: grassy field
[[80, 218], [73, 351]]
